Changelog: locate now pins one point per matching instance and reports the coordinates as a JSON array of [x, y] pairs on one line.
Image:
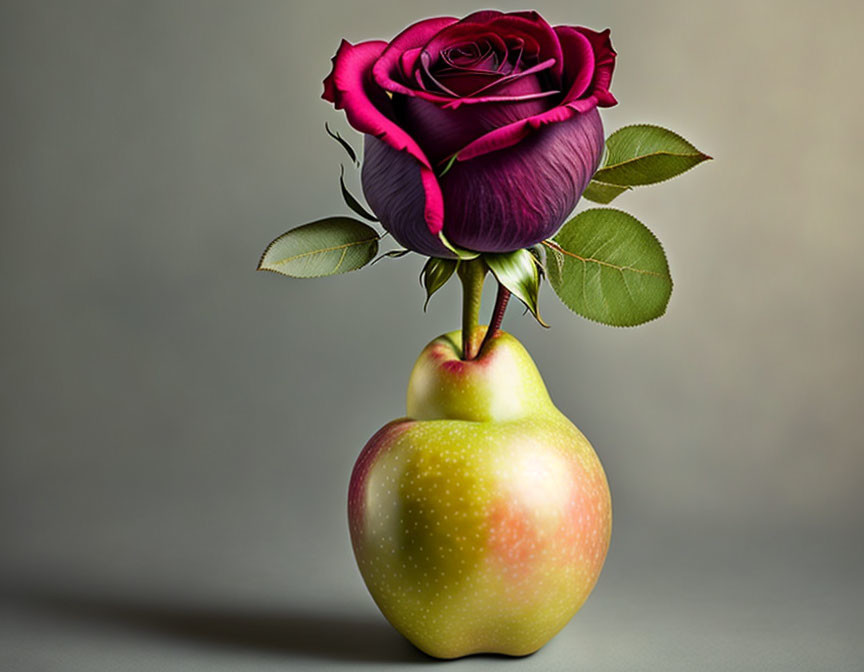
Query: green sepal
[[537, 252], [518, 272], [604, 264], [326, 247], [435, 275], [392, 254], [464, 255], [342, 141], [352, 202], [448, 165]]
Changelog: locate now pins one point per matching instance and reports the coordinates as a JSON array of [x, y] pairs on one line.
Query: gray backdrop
[[178, 430]]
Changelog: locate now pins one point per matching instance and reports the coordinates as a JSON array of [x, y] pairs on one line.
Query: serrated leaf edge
[[558, 248], [702, 156]]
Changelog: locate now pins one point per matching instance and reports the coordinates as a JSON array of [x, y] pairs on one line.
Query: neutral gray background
[[178, 430]]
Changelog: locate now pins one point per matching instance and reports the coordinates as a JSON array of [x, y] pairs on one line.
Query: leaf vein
[[341, 259], [604, 263], [324, 250], [610, 167]]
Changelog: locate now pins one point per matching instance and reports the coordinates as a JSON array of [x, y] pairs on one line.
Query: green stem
[[472, 274]]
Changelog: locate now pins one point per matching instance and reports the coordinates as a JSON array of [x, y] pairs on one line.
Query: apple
[[480, 522]]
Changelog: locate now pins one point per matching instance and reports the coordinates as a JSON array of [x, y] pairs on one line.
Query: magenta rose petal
[[408, 60], [532, 24], [350, 88], [514, 98], [482, 16], [424, 64], [417, 35], [443, 131], [509, 135], [444, 126], [459, 33], [528, 23], [604, 59], [508, 79], [347, 88], [574, 42], [579, 61]]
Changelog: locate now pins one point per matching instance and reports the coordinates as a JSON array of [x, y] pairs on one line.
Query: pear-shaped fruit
[[481, 521]]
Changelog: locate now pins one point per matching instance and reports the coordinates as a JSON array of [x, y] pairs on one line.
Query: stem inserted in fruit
[[471, 273], [501, 301]]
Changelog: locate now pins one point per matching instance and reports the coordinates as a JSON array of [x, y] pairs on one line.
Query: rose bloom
[[486, 128]]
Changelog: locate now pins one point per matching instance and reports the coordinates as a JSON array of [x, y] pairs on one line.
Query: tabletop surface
[[726, 607]]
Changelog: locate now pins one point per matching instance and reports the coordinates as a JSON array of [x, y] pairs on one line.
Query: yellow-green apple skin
[[480, 522]]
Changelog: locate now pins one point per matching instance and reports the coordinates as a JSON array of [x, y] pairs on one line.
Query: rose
[[486, 128]]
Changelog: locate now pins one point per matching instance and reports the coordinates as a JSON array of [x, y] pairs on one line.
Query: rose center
[[465, 69]]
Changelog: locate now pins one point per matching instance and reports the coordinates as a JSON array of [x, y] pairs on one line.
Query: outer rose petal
[[393, 187], [604, 57], [350, 87], [507, 136], [387, 70], [519, 196], [579, 61], [442, 131]]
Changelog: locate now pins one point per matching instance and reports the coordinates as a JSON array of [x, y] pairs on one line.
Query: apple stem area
[[473, 274], [501, 300]]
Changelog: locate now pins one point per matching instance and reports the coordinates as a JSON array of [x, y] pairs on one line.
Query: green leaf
[[601, 192], [352, 202], [435, 275], [463, 254], [326, 247], [607, 266], [518, 272], [645, 154]]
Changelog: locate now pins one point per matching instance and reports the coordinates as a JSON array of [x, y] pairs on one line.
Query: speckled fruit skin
[[481, 521]]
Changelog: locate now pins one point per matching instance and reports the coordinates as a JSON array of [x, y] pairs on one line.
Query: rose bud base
[[481, 521]]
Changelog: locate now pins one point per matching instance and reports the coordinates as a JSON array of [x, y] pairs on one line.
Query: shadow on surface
[[295, 632]]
